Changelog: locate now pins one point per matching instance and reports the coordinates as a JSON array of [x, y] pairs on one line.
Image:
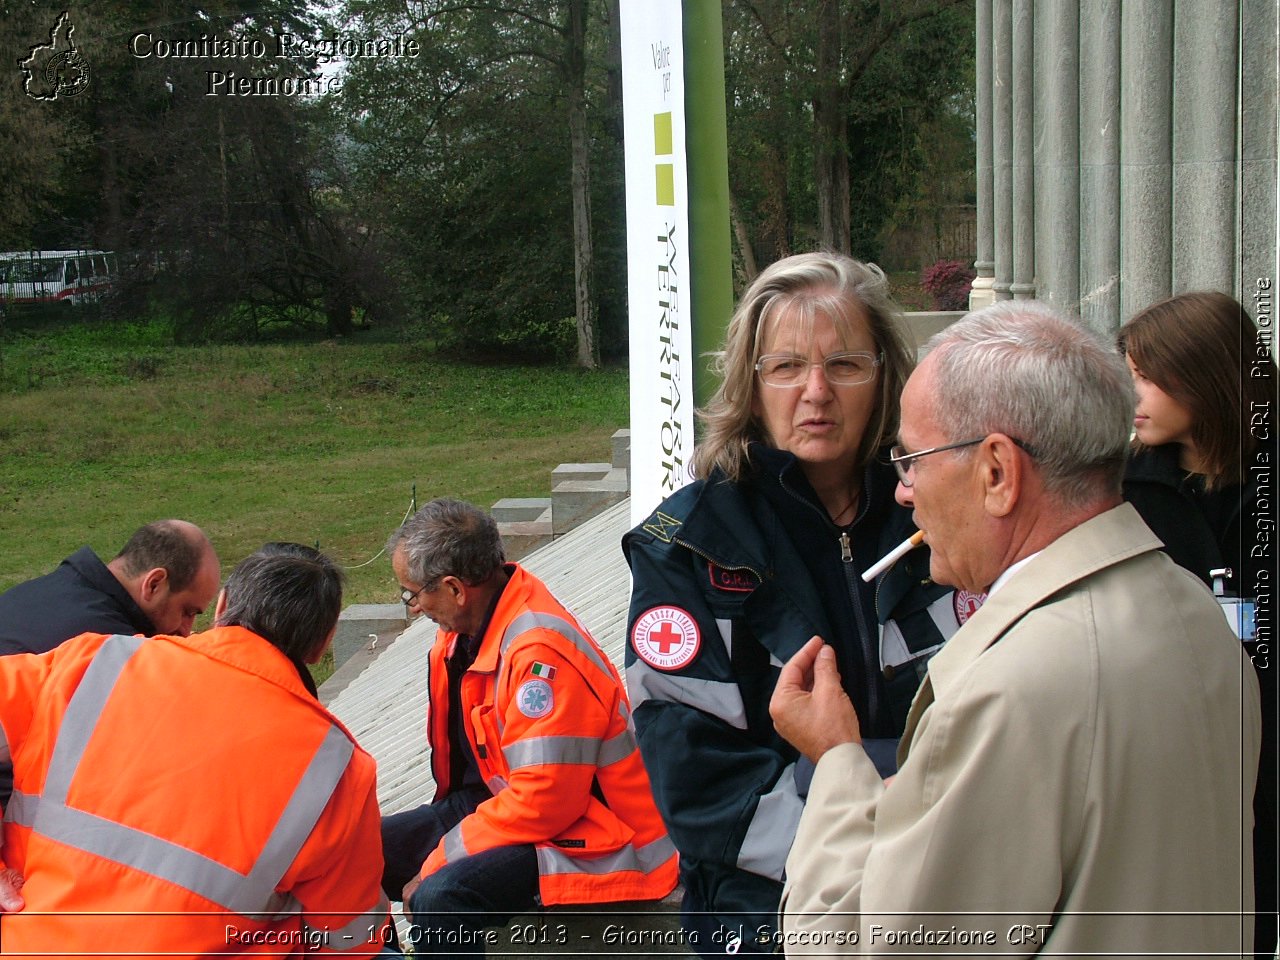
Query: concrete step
[[520, 509], [579, 471], [923, 324], [573, 501], [521, 537], [621, 450], [524, 523], [364, 629]]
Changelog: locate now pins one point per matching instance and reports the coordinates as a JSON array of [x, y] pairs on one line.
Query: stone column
[[1024, 200], [1100, 164], [1057, 136], [1002, 143], [1146, 134], [1259, 253], [1206, 36], [982, 294]]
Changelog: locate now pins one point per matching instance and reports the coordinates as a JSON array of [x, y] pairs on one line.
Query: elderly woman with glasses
[[794, 499]]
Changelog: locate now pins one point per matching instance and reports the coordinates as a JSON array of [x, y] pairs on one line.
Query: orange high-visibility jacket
[[547, 715], [191, 796]]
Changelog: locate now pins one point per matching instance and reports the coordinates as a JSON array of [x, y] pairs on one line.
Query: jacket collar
[[514, 597], [90, 567], [249, 652], [1103, 541], [1156, 465]]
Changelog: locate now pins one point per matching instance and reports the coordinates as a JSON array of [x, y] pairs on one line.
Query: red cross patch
[[666, 638], [967, 604]]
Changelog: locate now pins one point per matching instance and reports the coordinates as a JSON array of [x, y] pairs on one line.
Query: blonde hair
[[803, 286]]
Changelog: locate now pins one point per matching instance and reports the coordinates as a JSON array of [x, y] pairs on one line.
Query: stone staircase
[[578, 491]]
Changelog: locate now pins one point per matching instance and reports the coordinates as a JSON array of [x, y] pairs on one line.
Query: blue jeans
[[452, 907]]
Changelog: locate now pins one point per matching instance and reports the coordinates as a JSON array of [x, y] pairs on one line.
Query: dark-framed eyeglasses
[[903, 461], [841, 369]]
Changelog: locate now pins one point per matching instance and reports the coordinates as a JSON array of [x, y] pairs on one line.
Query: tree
[[43, 142], [156, 160], [488, 67], [833, 79]]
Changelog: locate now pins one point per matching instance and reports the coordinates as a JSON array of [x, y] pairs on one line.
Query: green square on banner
[[666, 174], [662, 139]]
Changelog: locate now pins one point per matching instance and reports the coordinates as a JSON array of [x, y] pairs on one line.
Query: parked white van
[[56, 276]]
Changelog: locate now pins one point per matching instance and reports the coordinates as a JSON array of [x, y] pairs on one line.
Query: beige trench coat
[[1076, 777]]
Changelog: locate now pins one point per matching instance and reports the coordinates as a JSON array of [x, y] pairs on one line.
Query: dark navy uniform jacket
[[729, 581], [80, 596]]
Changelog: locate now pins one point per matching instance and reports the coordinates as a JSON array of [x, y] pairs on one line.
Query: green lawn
[[107, 426]]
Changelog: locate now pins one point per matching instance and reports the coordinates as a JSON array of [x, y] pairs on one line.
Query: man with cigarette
[[1076, 773]]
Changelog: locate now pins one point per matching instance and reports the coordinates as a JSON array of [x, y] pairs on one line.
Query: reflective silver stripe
[[894, 651], [553, 861], [455, 848], [726, 636], [134, 848], [82, 713], [352, 936], [773, 828], [943, 613], [617, 748], [301, 814], [496, 784], [535, 751], [545, 621], [718, 698], [248, 894]]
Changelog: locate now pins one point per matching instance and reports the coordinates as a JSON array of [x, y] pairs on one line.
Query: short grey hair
[[449, 538], [287, 593], [1021, 368]]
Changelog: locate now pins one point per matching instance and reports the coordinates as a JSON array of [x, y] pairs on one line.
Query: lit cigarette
[[890, 558]]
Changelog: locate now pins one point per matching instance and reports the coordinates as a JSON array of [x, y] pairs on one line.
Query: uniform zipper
[[870, 649], [870, 655], [710, 559]]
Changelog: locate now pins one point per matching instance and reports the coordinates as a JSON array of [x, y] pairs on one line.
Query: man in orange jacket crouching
[[541, 796], [188, 795]]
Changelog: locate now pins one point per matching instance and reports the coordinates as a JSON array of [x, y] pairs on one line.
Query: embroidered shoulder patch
[[534, 699], [662, 526], [544, 670], [666, 638], [736, 581]]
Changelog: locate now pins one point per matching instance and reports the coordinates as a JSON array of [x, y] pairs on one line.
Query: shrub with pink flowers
[[948, 282]]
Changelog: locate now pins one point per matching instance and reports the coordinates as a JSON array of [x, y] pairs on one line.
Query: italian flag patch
[[544, 670]]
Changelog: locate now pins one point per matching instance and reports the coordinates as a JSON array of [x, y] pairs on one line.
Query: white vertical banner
[[658, 282]]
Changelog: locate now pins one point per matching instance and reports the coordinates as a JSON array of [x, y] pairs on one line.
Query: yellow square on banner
[[662, 142], [666, 174]]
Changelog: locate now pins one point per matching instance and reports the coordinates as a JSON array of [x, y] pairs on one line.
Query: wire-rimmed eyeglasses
[[903, 461], [408, 596], [841, 369]]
